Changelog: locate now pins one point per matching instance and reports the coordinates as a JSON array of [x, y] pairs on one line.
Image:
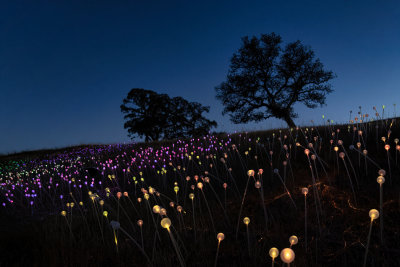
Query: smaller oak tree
[[157, 116]]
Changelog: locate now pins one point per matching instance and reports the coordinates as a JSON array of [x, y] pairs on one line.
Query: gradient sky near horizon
[[65, 66]]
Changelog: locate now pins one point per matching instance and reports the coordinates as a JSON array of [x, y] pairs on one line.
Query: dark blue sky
[[65, 66]]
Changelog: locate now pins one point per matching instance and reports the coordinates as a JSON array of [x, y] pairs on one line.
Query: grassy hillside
[[37, 188]]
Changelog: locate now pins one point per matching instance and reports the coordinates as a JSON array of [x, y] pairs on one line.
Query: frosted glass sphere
[[163, 212], [246, 220], [156, 209], [380, 180], [220, 236], [293, 240], [382, 172], [166, 223], [115, 225], [287, 255], [374, 214], [304, 190], [273, 252], [191, 196]]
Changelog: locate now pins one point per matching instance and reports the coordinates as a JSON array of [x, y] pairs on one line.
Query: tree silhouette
[[157, 116], [266, 80], [186, 119]]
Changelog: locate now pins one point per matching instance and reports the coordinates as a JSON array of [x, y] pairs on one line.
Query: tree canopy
[[157, 116], [265, 80]]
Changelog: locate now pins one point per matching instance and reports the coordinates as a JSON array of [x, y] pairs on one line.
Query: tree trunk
[[289, 121]]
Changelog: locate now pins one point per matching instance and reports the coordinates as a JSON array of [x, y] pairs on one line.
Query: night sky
[[65, 66]]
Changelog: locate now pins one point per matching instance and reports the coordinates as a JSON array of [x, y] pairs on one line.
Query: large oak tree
[[265, 80]]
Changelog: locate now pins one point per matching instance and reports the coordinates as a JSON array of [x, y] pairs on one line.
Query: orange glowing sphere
[[373, 214], [166, 223], [220, 237], [156, 209], [304, 190], [380, 180], [293, 240], [287, 255], [273, 253]]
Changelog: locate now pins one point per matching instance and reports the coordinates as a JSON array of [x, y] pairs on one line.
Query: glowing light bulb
[[257, 184], [220, 237], [336, 148], [250, 172], [287, 255], [166, 223], [382, 172], [246, 220], [105, 213], [380, 180], [64, 213], [373, 214], [191, 196], [306, 151], [273, 253], [293, 240], [140, 223], [387, 147], [341, 155], [200, 185], [156, 209], [163, 212], [304, 190], [119, 194]]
